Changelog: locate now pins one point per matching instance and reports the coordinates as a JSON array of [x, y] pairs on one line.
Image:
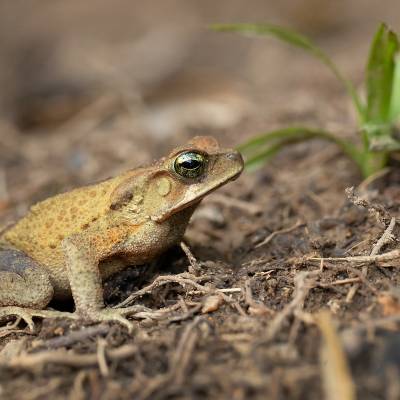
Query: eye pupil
[[190, 164]]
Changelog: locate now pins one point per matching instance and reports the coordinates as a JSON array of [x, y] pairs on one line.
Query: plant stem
[[373, 162]]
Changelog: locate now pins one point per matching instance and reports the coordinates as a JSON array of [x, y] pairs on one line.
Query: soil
[[242, 320]]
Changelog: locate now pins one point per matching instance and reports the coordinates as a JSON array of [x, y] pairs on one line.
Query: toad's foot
[[114, 314], [105, 314], [27, 314]]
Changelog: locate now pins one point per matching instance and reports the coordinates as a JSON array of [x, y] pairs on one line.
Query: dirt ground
[[243, 319]]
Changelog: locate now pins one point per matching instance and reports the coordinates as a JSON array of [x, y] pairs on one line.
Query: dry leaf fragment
[[390, 305], [211, 304]]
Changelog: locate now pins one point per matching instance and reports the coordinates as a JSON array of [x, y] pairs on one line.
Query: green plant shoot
[[377, 115]]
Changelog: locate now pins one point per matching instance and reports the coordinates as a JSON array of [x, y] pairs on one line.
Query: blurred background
[[91, 88]]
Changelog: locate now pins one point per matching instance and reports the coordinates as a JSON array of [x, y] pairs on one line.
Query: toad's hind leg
[[23, 282], [25, 287]]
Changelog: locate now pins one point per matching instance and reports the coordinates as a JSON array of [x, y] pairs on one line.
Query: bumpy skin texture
[[66, 245]]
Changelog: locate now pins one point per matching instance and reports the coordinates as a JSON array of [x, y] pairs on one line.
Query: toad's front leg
[[82, 263]]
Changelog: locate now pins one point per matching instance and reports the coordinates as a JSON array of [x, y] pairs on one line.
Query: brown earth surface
[[243, 320]]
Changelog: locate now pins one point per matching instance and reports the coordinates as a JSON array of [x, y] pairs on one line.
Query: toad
[[67, 245]]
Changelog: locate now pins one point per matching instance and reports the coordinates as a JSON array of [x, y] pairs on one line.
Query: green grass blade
[[368, 162], [295, 39], [395, 98], [296, 134], [285, 133], [380, 75], [255, 156], [259, 159]]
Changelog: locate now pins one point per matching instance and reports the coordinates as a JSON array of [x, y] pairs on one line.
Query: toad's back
[[40, 232]]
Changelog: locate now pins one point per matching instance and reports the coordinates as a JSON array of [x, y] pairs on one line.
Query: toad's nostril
[[234, 156]]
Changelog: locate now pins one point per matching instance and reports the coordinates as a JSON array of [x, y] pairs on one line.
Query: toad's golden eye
[[190, 164]]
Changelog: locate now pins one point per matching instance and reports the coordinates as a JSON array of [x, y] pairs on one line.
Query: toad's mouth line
[[196, 199]]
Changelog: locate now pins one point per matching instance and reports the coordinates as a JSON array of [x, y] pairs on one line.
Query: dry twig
[[382, 260], [159, 314], [73, 337], [377, 210], [183, 279], [304, 282], [182, 355], [338, 383], [77, 392], [383, 216], [178, 364], [194, 266], [101, 357], [339, 282], [280, 232], [386, 238], [63, 357]]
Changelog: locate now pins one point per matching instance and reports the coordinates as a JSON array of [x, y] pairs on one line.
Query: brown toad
[[68, 244]]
